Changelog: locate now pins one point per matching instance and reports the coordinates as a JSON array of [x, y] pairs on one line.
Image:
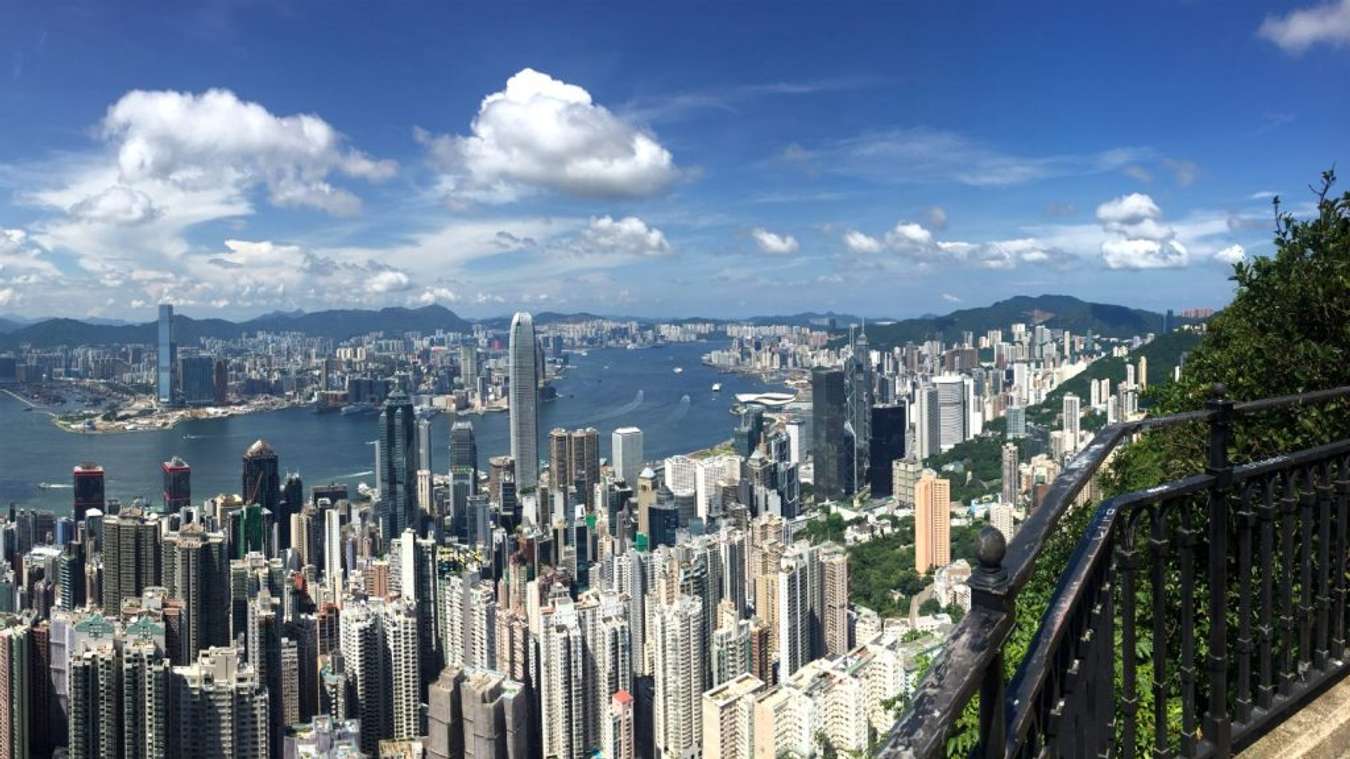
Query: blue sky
[[719, 159]]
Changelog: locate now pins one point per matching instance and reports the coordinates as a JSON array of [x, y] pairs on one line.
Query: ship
[[717, 387], [679, 370]]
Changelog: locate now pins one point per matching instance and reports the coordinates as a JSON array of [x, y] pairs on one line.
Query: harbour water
[[678, 412]]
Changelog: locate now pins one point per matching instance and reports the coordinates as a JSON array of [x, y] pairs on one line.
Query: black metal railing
[[1191, 618]]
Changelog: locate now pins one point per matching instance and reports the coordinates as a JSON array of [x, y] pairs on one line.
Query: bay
[[605, 389]]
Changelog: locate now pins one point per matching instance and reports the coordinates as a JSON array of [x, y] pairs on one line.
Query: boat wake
[[366, 473], [626, 408], [680, 411]]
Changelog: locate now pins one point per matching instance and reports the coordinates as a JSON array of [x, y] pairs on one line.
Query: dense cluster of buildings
[[548, 603]]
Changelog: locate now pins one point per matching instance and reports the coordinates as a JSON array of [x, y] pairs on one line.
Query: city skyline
[[644, 180]]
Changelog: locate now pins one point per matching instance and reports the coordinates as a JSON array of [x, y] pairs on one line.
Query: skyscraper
[[88, 489], [1072, 420], [167, 357], [859, 371], [932, 519], [177, 484], [561, 684], [262, 477], [951, 392], [16, 641], [793, 600], [679, 654], [1011, 485], [398, 464], [524, 402], [832, 445], [220, 708], [463, 475], [585, 461], [626, 452], [889, 430], [834, 600], [131, 556]]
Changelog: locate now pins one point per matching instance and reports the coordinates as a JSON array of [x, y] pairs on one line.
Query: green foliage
[[982, 458], [955, 611], [883, 565], [930, 606], [827, 528]]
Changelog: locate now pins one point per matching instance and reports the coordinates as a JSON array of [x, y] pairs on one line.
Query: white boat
[[717, 387], [679, 370]]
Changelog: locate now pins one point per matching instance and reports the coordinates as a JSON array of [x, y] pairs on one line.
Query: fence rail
[[1192, 618]]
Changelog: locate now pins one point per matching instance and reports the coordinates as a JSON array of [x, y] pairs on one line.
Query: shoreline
[[170, 419]]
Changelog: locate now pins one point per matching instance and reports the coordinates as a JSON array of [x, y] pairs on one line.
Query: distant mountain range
[[1057, 311], [1053, 311]]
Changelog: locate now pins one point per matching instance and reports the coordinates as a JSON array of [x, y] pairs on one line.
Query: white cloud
[[1301, 29], [388, 281], [9, 296], [1144, 254], [118, 204], [18, 256], [950, 298], [859, 242], [1232, 254], [770, 242], [629, 236], [916, 243], [1128, 209], [433, 295], [909, 234], [202, 139], [542, 133]]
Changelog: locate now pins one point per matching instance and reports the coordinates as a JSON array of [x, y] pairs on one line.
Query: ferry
[[717, 387], [679, 370]]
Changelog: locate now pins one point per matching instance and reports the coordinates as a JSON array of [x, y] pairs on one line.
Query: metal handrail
[[973, 659]]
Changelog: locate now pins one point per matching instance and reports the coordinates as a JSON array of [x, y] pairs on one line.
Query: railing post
[[1218, 727], [989, 590]]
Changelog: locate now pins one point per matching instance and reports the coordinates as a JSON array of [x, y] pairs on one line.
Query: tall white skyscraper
[[794, 618], [951, 411], [626, 450], [399, 620], [524, 400], [1072, 419], [562, 690], [679, 650]]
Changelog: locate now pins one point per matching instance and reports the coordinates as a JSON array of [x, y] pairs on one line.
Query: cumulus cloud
[[770, 242], [1299, 30], [859, 242], [168, 161], [629, 236], [9, 296], [916, 243], [542, 133], [1232, 254], [200, 139], [1142, 241], [1144, 254], [388, 281], [434, 295]]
